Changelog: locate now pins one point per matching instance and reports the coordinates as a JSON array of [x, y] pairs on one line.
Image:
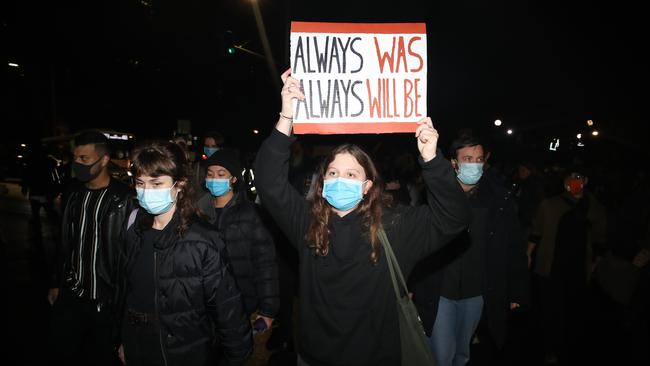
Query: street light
[[509, 132], [497, 122], [590, 122], [579, 136], [13, 64], [594, 132]]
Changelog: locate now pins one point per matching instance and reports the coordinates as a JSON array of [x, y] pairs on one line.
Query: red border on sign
[[377, 28], [350, 128]]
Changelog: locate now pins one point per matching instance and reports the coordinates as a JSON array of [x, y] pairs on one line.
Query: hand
[[267, 320], [52, 295], [427, 139], [290, 90], [120, 354], [514, 305]]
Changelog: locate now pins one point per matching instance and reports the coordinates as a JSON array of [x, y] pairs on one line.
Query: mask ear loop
[[363, 195], [177, 192]]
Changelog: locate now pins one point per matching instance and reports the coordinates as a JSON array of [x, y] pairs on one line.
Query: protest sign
[[359, 77]]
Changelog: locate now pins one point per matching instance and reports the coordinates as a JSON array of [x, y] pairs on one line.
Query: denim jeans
[[453, 329]]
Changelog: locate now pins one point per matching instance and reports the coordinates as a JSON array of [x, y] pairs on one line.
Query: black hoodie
[[347, 305]]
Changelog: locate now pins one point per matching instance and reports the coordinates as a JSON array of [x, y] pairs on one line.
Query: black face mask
[[83, 172]]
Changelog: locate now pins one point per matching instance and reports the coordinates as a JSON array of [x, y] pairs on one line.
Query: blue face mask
[[217, 186], [343, 194], [208, 151], [469, 173], [155, 201]]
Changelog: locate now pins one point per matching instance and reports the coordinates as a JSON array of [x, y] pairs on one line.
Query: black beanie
[[226, 158]]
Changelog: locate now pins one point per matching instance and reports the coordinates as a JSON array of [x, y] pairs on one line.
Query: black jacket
[[251, 252], [196, 298], [112, 220], [506, 276], [348, 313]]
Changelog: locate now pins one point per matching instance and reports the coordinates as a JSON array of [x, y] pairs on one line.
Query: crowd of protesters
[[183, 268]]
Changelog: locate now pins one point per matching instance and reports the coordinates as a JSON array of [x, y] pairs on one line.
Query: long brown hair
[[158, 158], [370, 207]]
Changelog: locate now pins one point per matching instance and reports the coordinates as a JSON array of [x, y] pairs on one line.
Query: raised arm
[[290, 91], [287, 207], [427, 228]]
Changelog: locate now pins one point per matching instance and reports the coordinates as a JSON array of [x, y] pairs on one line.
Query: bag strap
[[393, 265], [132, 216]]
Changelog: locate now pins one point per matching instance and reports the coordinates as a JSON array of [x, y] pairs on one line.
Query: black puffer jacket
[[196, 298], [250, 250], [112, 220]]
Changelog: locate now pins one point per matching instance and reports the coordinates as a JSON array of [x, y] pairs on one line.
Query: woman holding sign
[[348, 313]]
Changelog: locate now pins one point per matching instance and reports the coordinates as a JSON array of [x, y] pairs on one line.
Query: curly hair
[[370, 208], [159, 158]]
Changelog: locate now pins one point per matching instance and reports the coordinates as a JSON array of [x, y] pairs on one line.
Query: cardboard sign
[[359, 77]]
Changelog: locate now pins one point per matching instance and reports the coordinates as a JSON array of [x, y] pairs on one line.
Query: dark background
[[139, 66]]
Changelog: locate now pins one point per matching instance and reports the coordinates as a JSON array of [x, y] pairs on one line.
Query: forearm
[[283, 202], [266, 275], [285, 124], [224, 305], [447, 201], [268, 290]]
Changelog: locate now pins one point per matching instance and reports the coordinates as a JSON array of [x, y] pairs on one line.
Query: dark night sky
[[140, 65]]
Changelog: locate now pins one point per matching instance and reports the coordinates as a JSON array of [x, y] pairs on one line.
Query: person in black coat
[[83, 286], [484, 272], [250, 246], [180, 297], [348, 311]]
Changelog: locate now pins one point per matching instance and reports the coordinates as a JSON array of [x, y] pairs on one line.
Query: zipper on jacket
[[155, 301]]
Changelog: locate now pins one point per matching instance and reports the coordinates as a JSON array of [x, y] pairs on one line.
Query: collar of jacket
[[168, 235], [207, 206]]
